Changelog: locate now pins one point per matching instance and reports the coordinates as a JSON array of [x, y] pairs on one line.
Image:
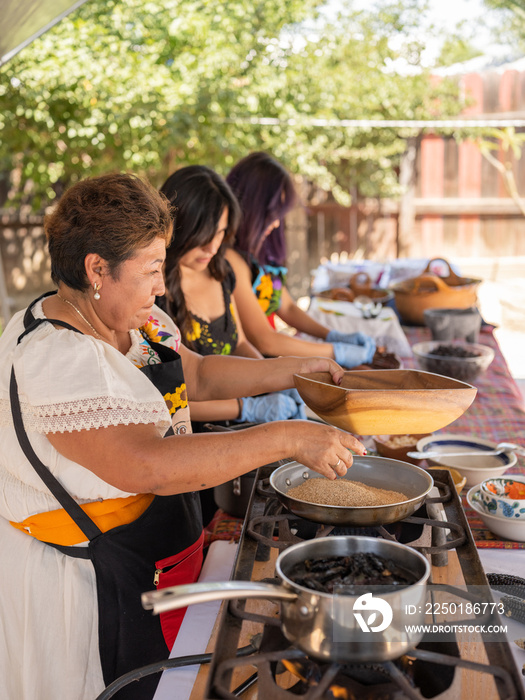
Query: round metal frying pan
[[379, 472]]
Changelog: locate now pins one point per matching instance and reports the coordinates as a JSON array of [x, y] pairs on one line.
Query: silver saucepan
[[379, 472], [328, 626]]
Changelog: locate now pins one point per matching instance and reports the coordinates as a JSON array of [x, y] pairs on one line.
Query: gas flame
[[295, 669], [300, 671]]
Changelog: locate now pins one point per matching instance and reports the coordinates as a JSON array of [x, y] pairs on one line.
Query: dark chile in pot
[[361, 569]]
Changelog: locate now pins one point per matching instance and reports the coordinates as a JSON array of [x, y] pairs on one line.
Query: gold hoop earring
[[96, 287]]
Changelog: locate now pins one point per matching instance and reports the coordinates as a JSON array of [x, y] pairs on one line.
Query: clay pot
[[430, 291]]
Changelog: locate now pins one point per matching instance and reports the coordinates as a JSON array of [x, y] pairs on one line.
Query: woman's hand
[[349, 355], [320, 364], [322, 448], [352, 349], [281, 405]]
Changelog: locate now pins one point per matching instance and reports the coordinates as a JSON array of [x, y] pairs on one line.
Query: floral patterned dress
[[218, 337], [267, 283]]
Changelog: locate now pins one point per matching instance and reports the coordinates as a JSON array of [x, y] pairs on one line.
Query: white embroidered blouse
[[68, 381]]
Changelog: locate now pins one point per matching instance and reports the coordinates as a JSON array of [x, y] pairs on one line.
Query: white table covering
[[381, 274], [345, 317]]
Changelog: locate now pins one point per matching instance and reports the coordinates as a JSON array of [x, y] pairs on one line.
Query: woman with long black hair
[[200, 284]]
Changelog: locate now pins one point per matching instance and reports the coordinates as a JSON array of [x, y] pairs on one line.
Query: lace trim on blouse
[[102, 411], [86, 414]]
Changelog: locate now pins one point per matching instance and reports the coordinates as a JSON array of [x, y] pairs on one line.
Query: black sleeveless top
[[219, 337]]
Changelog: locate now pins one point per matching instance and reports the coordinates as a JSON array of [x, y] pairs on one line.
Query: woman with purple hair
[[265, 192]]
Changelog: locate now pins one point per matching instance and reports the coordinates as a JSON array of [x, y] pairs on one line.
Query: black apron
[[130, 559]]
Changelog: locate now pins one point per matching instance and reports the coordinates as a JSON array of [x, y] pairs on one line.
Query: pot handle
[[176, 597], [451, 274], [436, 280], [360, 282]]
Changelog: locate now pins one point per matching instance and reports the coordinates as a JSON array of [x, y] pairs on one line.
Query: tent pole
[[4, 299]]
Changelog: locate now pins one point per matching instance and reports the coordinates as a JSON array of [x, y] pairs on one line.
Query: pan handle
[[176, 597]]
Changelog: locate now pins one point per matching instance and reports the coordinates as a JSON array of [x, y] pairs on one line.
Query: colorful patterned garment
[[218, 337], [156, 330], [267, 283]]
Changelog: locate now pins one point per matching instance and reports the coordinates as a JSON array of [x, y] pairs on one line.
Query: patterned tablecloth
[[223, 526], [497, 413]]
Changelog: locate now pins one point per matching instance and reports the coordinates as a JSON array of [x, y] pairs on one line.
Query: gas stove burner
[[278, 528], [285, 673], [425, 679], [406, 531], [279, 671]]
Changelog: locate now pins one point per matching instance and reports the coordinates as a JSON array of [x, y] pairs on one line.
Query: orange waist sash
[[57, 527]]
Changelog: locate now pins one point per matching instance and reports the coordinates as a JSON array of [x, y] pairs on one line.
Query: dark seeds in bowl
[[454, 351], [448, 360]]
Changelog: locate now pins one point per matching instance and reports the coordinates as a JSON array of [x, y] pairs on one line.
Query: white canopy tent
[[25, 20]]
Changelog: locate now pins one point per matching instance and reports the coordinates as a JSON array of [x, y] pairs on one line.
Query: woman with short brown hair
[[99, 469]]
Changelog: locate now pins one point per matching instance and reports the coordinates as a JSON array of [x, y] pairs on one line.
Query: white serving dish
[[509, 529], [474, 469]]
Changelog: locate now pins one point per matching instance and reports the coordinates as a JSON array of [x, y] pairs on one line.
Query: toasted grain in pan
[[343, 492]]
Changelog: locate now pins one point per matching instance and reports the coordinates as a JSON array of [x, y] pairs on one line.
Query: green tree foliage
[[502, 148], [457, 49], [150, 85], [510, 27]]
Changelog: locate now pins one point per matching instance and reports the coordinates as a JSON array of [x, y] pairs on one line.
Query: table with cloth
[[497, 413]]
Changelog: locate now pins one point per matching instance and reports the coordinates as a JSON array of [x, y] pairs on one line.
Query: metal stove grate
[[268, 528]]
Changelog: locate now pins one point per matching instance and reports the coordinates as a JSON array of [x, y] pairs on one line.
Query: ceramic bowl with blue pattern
[[504, 497], [475, 468], [506, 528]]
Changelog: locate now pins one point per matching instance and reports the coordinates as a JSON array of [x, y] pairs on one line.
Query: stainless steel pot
[[380, 472], [233, 496], [326, 626]]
